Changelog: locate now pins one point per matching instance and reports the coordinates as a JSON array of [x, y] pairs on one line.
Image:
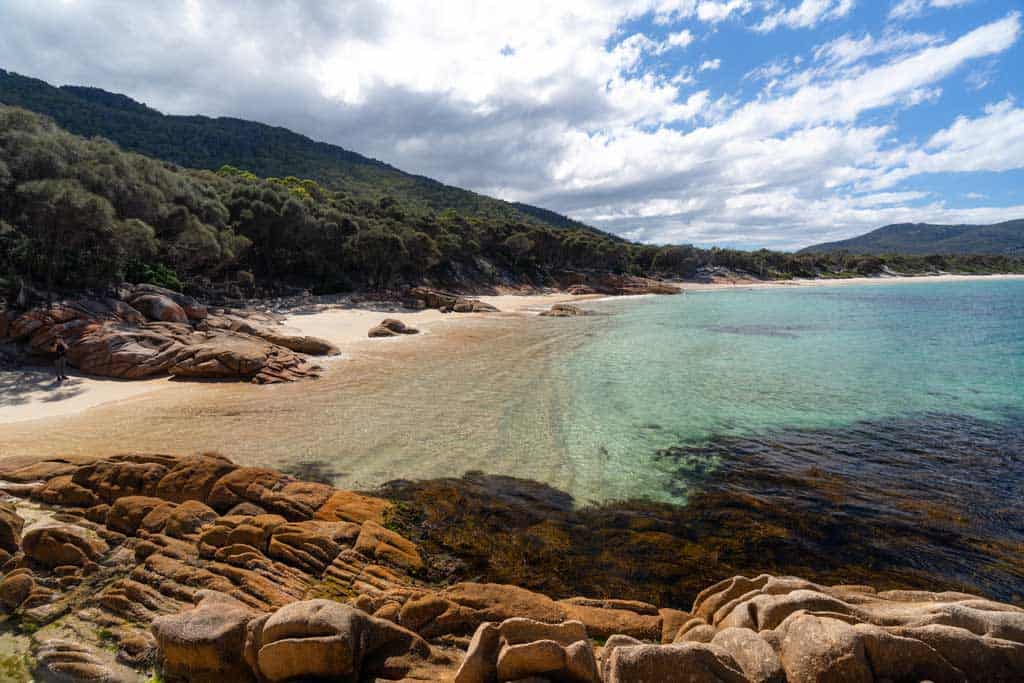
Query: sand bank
[[33, 393]]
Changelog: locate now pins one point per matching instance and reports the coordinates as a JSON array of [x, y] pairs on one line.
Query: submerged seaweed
[[925, 503]]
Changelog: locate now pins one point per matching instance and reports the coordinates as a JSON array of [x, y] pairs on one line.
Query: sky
[[740, 123]]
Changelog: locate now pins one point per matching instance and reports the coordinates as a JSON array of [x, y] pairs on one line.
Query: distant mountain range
[[925, 238], [268, 151]]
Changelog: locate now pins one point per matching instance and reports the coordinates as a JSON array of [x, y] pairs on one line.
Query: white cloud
[[710, 65], [807, 14], [907, 9], [714, 11], [992, 142], [846, 50], [557, 104], [680, 38]]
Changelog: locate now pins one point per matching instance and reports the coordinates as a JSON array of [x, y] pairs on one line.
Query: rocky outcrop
[[59, 659], [424, 297], [215, 572], [788, 629], [205, 643], [159, 308], [64, 545], [268, 328], [150, 331], [10, 530], [611, 284], [192, 308], [518, 649], [564, 311], [389, 327], [325, 640]]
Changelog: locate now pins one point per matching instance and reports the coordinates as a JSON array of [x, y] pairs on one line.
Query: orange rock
[[347, 506], [160, 308], [192, 478], [59, 545], [64, 492], [604, 621], [498, 602], [10, 528], [381, 543], [206, 643], [127, 513], [111, 480]]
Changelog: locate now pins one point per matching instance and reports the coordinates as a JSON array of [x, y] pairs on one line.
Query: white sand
[[33, 394], [825, 282], [346, 327]]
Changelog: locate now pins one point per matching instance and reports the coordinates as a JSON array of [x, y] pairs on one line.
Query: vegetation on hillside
[[78, 212], [924, 238], [267, 151]]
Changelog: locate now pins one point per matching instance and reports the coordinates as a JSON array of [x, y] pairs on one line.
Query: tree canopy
[[78, 212]]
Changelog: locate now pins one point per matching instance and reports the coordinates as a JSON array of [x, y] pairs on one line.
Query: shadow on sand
[[18, 387]]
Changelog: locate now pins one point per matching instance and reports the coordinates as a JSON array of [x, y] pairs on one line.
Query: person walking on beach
[[60, 364]]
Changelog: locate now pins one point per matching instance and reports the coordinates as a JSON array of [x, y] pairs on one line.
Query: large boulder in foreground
[[853, 633], [325, 640], [205, 644], [518, 649], [697, 662]]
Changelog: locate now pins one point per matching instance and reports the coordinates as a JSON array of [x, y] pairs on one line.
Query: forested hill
[[923, 238], [267, 151], [80, 213]]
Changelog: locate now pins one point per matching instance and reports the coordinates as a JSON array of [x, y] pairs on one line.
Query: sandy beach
[[830, 282], [32, 394]]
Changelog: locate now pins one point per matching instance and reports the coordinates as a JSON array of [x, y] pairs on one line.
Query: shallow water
[[830, 431], [589, 405], [683, 371]]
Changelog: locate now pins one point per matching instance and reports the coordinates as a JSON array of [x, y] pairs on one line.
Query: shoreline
[[31, 395], [828, 282]]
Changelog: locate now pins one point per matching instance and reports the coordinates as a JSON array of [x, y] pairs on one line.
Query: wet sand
[[405, 406], [33, 394]]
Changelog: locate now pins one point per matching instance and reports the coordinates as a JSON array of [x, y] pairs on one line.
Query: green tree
[[63, 221], [518, 245], [380, 253]]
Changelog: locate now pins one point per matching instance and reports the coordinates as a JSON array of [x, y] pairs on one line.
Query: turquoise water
[[682, 372], [848, 433]]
